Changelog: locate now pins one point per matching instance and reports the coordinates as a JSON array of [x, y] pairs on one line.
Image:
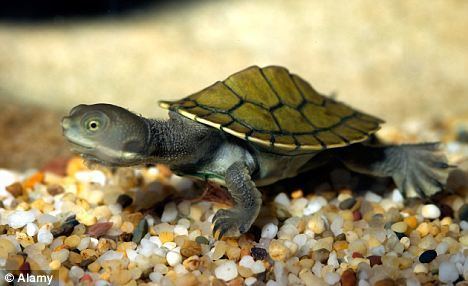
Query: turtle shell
[[275, 109]]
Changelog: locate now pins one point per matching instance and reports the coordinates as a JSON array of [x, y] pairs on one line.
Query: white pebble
[[372, 197], [44, 236], [170, 212], [173, 258], [247, 261], [333, 260], [397, 197], [131, 254], [282, 199], [46, 218], [84, 243], [448, 272], [331, 278], [155, 277], [300, 239], [315, 205], [258, 267], [31, 229], [430, 211], [363, 283], [93, 176], [75, 272], [442, 248], [110, 255], [156, 240], [337, 225], [180, 230], [102, 283], [269, 230], [226, 271], [250, 281], [19, 219]]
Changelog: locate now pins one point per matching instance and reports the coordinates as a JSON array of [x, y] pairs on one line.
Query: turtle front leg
[[247, 199]]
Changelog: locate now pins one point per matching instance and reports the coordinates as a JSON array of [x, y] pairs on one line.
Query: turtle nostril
[[66, 122]]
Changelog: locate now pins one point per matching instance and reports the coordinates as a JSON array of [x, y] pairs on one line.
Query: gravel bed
[[126, 227]]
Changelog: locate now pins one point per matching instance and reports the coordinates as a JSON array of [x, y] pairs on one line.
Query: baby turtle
[[258, 126]]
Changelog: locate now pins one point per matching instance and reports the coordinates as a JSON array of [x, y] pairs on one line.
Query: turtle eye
[[93, 125]]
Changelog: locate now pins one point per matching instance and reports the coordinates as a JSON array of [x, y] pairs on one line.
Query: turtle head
[[107, 134]]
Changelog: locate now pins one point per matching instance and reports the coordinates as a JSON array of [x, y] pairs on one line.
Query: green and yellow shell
[[275, 109]]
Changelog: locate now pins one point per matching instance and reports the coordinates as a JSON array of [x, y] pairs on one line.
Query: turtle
[[256, 127]]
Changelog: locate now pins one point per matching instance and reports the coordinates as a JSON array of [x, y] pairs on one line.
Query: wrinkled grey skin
[[114, 136]]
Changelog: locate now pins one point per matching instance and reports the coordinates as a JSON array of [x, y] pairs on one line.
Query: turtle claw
[[230, 222]]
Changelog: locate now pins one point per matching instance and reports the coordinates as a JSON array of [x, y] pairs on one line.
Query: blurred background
[[404, 61]]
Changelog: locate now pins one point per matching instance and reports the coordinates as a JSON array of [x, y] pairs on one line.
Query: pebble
[[427, 256], [375, 260], [258, 253], [173, 258], [72, 241], [282, 199], [19, 219], [269, 231], [99, 228], [124, 200], [400, 227], [348, 278], [140, 231], [430, 211], [385, 282], [278, 251], [463, 212], [44, 236], [170, 213], [226, 271], [448, 272], [31, 229], [347, 203]]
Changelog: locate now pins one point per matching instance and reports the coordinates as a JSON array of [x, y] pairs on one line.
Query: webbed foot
[[231, 222], [425, 170]]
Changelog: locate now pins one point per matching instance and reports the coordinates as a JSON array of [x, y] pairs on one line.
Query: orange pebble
[[37, 177], [411, 221], [297, 194]]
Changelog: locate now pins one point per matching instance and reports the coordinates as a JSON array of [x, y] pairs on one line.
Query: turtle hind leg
[[419, 170]]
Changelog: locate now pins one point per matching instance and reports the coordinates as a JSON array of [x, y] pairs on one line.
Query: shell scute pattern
[[273, 108]]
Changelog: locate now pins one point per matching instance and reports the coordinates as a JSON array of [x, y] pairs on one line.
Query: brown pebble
[[385, 282], [348, 278], [375, 260], [321, 255], [340, 237], [15, 189], [190, 248], [99, 228], [125, 237], [54, 190], [84, 263]]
